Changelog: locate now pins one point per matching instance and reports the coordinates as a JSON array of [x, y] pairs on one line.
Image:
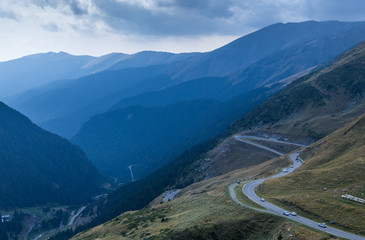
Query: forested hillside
[[38, 167]]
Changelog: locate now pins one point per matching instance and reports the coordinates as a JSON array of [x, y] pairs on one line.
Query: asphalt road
[[240, 138], [76, 215], [249, 190], [272, 140], [170, 195]]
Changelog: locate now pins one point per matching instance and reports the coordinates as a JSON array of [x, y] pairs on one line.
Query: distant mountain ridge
[[38, 167], [274, 55], [269, 40], [39, 70], [260, 58]]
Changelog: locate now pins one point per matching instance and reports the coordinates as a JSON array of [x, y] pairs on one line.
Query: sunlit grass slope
[[204, 211]]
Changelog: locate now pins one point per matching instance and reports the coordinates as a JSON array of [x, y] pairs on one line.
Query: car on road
[[323, 225], [262, 199], [239, 182], [286, 213], [291, 166], [285, 170], [293, 214]]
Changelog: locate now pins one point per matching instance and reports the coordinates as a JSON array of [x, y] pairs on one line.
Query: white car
[[293, 213], [285, 170], [323, 225], [262, 199], [286, 213]]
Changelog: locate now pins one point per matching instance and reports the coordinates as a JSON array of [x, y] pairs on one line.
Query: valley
[[261, 138], [203, 93]]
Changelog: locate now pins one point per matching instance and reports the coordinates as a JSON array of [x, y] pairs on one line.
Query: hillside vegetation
[[203, 211], [314, 105], [333, 166], [38, 167]]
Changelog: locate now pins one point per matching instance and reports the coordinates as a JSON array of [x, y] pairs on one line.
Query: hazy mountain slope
[[148, 137], [296, 49], [260, 58], [76, 95], [247, 50], [315, 105], [149, 58], [40, 69], [38, 167], [36, 70], [333, 166]]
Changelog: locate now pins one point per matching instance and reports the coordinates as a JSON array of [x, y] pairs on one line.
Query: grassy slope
[[314, 105], [204, 211], [337, 163], [229, 155]]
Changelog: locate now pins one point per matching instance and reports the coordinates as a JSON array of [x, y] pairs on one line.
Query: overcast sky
[[96, 27]]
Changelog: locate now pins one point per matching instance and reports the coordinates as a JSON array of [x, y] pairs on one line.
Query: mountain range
[[273, 53], [96, 110], [329, 99], [158, 121]]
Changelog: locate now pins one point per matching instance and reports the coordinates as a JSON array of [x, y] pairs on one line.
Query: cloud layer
[[69, 23], [197, 17]]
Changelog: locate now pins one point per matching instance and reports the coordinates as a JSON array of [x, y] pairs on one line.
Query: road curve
[[249, 190]]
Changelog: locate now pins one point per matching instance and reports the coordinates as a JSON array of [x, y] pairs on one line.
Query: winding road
[[249, 190]]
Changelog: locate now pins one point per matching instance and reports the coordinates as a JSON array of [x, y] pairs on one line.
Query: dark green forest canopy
[[38, 167]]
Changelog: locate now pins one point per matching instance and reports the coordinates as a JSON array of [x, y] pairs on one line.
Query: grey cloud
[[349, 10], [176, 18], [208, 8], [52, 27], [75, 5], [44, 3], [202, 17], [8, 14], [77, 8]]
